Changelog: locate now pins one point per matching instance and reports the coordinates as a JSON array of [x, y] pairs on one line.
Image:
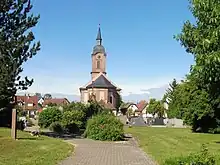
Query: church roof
[[98, 48], [101, 82], [99, 36]]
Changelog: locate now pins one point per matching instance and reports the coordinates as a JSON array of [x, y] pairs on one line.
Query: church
[[100, 88]]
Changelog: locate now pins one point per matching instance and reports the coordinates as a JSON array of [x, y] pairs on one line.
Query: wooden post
[[13, 124]]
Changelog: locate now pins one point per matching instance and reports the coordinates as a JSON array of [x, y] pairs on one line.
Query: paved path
[[89, 152]]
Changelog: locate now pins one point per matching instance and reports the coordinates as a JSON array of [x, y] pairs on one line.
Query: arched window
[[98, 64]]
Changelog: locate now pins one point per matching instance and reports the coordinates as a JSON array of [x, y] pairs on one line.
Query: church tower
[[98, 57], [100, 88]]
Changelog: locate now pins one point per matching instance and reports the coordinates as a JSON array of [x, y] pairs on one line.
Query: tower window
[[98, 64], [111, 99]]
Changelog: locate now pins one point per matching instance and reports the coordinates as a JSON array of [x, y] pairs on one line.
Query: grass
[[164, 143], [29, 150]]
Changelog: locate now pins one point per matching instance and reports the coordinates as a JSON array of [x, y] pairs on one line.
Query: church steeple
[[98, 56], [99, 37]]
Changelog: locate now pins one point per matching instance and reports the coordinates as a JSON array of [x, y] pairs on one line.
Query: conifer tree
[[16, 46]]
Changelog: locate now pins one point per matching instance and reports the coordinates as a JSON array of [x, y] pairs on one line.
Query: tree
[[118, 101], [48, 116], [169, 92], [202, 41], [156, 107], [16, 47], [38, 95], [47, 96]]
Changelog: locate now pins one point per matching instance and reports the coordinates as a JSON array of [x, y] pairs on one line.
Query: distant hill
[[146, 95]]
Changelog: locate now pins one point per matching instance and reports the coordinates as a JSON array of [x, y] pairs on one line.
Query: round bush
[[48, 116], [105, 127], [56, 127], [73, 120]]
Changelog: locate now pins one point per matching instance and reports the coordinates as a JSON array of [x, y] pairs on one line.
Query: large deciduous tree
[[16, 46], [201, 39], [156, 107]]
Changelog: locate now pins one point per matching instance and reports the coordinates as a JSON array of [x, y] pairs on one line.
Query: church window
[[98, 64], [111, 99]]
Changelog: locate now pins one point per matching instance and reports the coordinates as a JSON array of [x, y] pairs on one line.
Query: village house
[[29, 104], [125, 107]]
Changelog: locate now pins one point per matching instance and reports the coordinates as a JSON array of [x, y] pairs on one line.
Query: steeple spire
[[99, 37]]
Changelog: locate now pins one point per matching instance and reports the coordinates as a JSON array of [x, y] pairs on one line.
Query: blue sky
[[137, 35]]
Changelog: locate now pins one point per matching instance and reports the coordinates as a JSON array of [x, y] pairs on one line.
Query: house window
[[98, 64], [30, 104], [111, 99]]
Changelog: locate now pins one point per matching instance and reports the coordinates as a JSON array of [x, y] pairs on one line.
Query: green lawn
[[163, 143], [29, 150]]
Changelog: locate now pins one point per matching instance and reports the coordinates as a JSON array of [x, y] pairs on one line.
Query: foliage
[[119, 101], [16, 46], [93, 109], [130, 113], [20, 125], [73, 120], [156, 107], [47, 96], [104, 127], [48, 116], [51, 104], [20, 111], [56, 127], [29, 122], [201, 158], [168, 96], [201, 40]]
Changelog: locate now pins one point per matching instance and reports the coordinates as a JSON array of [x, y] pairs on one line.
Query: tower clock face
[[99, 57]]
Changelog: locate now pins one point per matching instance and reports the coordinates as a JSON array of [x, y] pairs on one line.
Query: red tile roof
[[28, 100], [57, 101], [142, 104]]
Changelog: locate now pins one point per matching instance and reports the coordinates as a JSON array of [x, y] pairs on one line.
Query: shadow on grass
[[65, 136], [217, 142], [31, 138]]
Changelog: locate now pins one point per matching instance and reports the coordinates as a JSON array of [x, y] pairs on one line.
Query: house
[[142, 106], [28, 103], [125, 107], [41, 101], [99, 87], [56, 101]]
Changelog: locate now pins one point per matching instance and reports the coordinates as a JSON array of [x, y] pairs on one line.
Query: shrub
[[56, 127], [201, 158], [20, 125], [48, 116], [29, 122], [73, 120], [104, 127]]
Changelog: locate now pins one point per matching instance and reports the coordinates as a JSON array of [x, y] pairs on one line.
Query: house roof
[[28, 100], [126, 105], [142, 104], [100, 81], [57, 101]]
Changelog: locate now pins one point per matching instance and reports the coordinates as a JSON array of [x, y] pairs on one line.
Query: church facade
[[100, 88]]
